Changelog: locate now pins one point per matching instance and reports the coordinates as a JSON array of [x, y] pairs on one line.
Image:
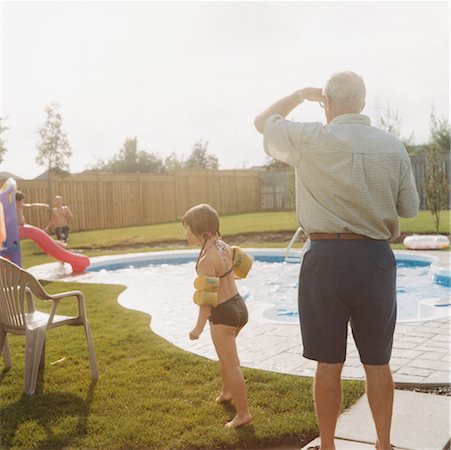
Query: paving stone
[[438, 377], [409, 370], [428, 364], [441, 338], [433, 346], [296, 350], [304, 372], [412, 339], [399, 362], [420, 333], [435, 356], [408, 354], [283, 363], [353, 362], [420, 421], [308, 363], [405, 345], [407, 379], [341, 444], [353, 373], [287, 331]]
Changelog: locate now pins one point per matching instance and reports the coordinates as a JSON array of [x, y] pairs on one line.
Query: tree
[[436, 180], [129, 159], [53, 146], [173, 162], [3, 148], [200, 159], [391, 122], [274, 164], [440, 133]]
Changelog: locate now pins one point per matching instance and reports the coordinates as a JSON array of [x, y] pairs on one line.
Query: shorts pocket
[[385, 262]]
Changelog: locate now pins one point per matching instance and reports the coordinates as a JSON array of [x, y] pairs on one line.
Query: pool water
[[277, 283], [270, 289]]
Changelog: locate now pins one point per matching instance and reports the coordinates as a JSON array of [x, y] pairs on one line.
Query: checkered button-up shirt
[[350, 177]]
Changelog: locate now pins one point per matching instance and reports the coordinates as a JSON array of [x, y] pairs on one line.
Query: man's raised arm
[[285, 105]]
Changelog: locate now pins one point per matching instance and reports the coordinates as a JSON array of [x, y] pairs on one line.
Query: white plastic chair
[[20, 317]]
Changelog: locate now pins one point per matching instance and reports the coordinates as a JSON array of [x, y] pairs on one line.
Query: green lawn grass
[[150, 395], [230, 225]]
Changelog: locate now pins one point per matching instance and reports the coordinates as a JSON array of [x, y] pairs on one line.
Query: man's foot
[[223, 398], [239, 421]]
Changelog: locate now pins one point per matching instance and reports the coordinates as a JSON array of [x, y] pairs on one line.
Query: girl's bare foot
[[223, 398], [239, 421]]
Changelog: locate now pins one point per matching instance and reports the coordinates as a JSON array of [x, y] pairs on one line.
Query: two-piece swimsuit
[[232, 312]]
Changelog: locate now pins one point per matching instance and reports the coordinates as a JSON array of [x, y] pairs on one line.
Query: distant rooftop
[[6, 175]]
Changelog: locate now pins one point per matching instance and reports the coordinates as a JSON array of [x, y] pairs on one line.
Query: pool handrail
[[291, 243]]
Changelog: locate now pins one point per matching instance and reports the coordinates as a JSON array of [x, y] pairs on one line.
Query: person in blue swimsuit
[[219, 302]]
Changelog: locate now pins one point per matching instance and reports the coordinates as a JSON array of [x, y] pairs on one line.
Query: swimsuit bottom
[[62, 233], [232, 312]]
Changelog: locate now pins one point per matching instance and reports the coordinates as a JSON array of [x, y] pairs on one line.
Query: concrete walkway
[[420, 422]]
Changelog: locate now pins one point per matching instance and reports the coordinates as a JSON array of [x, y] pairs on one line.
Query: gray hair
[[346, 89]]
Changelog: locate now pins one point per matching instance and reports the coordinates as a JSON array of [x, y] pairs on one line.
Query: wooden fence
[[419, 172], [101, 201], [278, 185]]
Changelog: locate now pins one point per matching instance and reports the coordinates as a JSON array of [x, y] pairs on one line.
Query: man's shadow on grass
[[45, 410]]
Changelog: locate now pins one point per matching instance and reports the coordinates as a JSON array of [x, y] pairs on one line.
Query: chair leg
[[34, 344], [42, 360], [92, 355], [6, 352]]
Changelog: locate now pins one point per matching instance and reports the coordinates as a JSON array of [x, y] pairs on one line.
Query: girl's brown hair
[[203, 221]]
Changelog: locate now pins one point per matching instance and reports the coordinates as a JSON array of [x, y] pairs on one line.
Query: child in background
[[219, 302], [60, 220], [21, 206]]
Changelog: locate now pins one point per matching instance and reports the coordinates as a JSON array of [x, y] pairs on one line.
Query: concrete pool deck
[[421, 351]]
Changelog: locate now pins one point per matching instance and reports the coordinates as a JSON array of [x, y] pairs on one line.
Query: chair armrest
[[80, 303], [30, 302]]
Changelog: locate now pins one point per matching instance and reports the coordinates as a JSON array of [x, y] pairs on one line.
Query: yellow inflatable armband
[[206, 290], [205, 283], [242, 262], [202, 298]]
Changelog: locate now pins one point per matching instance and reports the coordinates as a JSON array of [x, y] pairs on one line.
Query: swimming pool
[[163, 281]]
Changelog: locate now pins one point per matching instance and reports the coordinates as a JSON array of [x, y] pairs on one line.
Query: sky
[[171, 73]]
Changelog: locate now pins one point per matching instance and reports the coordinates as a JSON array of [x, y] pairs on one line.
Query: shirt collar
[[351, 118]]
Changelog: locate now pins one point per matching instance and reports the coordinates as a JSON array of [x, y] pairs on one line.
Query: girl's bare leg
[[224, 340], [226, 394]]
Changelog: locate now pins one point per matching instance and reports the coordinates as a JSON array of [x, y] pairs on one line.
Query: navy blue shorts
[[344, 281]]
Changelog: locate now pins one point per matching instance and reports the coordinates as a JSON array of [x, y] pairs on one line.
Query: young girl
[[219, 302]]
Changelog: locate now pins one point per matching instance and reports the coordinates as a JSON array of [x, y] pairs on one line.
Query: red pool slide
[[78, 262]]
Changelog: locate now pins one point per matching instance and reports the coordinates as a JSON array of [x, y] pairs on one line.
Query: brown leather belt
[[332, 236]]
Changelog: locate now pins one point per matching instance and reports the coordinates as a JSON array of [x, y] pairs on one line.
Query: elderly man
[[352, 183]]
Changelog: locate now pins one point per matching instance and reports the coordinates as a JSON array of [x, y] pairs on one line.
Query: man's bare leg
[[327, 393], [380, 392]]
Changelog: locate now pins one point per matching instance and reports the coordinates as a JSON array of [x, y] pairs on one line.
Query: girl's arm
[[36, 205], [206, 267], [204, 314], [51, 222]]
